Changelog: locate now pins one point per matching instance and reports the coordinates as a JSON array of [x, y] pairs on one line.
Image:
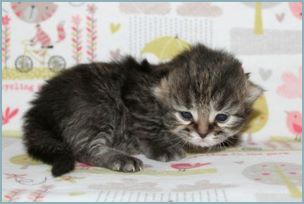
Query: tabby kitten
[[101, 113]]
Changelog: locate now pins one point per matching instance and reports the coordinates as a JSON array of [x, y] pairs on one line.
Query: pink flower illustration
[[5, 40], [184, 166], [91, 33], [292, 85], [76, 19], [39, 195], [76, 39], [13, 195], [8, 115], [5, 20], [92, 8], [14, 176]]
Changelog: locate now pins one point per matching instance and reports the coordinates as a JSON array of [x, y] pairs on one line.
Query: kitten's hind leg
[[93, 138], [42, 145], [104, 156]]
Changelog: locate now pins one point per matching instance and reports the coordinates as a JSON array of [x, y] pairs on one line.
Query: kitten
[[101, 113]]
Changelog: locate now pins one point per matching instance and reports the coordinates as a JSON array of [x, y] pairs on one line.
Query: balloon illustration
[[277, 173], [165, 48]]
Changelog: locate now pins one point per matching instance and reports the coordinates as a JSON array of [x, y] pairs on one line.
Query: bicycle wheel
[[56, 63], [24, 63]]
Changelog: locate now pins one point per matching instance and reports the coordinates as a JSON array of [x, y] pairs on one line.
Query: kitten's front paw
[[167, 155], [125, 163]]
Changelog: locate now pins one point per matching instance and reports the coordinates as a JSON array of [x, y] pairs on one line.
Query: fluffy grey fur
[[101, 113]]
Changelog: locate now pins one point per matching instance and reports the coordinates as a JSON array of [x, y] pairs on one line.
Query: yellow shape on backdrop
[[258, 24], [24, 159], [114, 27], [258, 118], [36, 73], [166, 47], [76, 193], [292, 188], [282, 138]]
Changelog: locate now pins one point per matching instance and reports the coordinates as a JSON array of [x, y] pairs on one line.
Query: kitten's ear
[[161, 91], [253, 92]]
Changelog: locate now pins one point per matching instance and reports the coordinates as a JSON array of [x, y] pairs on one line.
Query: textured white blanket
[[260, 172]]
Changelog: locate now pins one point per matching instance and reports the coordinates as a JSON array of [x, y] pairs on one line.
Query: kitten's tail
[[41, 145]]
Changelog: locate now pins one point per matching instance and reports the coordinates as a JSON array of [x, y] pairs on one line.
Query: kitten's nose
[[203, 128], [203, 135]]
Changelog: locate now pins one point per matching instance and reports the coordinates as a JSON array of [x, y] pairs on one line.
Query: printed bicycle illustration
[[24, 63]]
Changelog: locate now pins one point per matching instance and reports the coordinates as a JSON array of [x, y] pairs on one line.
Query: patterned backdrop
[[40, 39]]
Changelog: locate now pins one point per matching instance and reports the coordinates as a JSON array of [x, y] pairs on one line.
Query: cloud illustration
[[199, 9], [145, 8]]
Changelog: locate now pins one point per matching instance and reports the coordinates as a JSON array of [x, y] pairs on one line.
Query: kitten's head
[[208, 94]]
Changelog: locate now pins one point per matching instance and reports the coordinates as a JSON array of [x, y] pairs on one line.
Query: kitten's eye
[[186, 115], [221, 117]]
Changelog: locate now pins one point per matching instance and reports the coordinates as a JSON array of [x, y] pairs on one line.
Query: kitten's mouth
[[208, 141], [205, 144]]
